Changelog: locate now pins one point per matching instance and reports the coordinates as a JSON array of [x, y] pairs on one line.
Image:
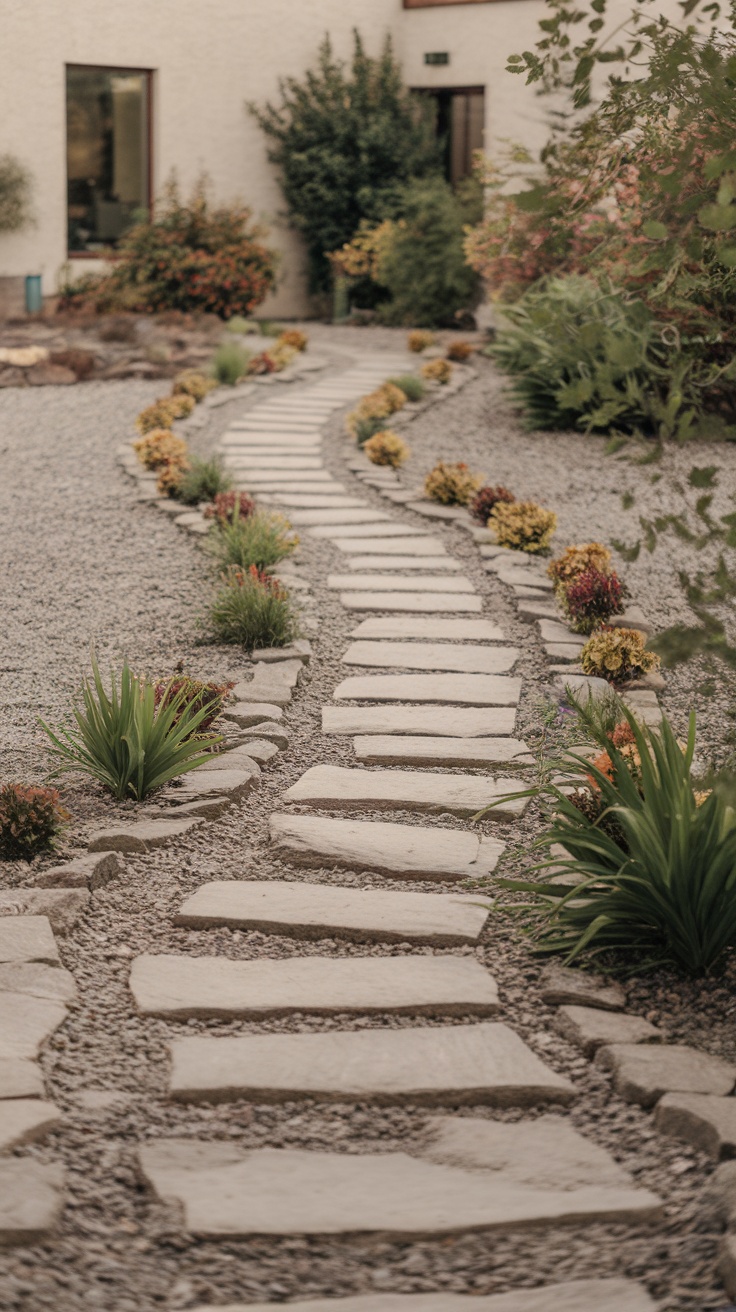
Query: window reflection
[[107, 154]]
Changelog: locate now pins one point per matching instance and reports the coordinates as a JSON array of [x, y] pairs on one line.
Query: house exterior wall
[[208, 61]]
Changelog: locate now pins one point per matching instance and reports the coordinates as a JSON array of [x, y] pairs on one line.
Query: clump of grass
[[230, 363], [253, 610], [261, 541], [412, 387], [202, 481]]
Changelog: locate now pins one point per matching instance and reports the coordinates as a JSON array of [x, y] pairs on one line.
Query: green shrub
[[344, 140], [423, 267], [665, 894], [253, 610], [202, 481], [30, 820], [230, 363], [193, 695], [237, 324], [586, 356], [16, 190], [412, 387], [261, 540], [365, 427], [124, 741]]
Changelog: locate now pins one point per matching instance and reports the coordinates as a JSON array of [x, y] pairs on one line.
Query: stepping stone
[[306, 500], [398, 546], [20, 1078], [30, 1200], [579, 1296], [433, 511], [226, 1191], [484, 1063], [559, 985], [26, 1022], [447, 689], [245, 441], [389, 528], [63, 906], [27, 938], [274, 462], [466, 659], [393, 583], [459, 722], [643, 1074], [38, 981], [396, 749], [321, 518], [589, 1028], [552, 631], [181, 987], [328, 911], [298, 650], [704, 1121], [305, 478], [23, 1120], [404, 851], [221, 782], [563, 651], [428, 602], [209, 806], [404, 562], [525, 578], [93, 871], [248, 713], [410, 626], [336, 787], [141, 837]]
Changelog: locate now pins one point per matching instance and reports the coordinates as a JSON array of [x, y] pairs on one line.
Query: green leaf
[[655, 230], [703, 476], [718, 218]]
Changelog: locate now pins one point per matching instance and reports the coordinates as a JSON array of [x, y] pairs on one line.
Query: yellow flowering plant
[[451, 485], [437, 371], [522, 525], [387, 448], [617, 655]]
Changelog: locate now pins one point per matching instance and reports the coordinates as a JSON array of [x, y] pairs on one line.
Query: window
[[108, 114], [460, 123]]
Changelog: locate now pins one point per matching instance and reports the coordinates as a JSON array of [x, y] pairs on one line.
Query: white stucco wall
[[209, 60]]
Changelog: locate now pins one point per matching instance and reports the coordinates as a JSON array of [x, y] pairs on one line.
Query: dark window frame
[[148, 74]]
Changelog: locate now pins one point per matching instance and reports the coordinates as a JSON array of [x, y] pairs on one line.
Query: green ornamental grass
[[412, 386], [252, 610], [230, 363], [260, 540], [127, 743], [202, 481], [658, 882]]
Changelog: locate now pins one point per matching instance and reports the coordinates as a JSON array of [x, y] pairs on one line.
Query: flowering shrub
[[170, 476], [193, 384], [201, 480], [576, 559], [437, 371], [419, 339], [252, 609], [294, 338], [393, 395], [617, 655], [224, 505], [459, 351], [189, 255], [378, 405], [591, 598], [160, 414], [260, 540], [263, 363], [30, 820], [387, 448], [451, 485], [483, 502], [191, 695], [412, 387], [282, 355], [522, 525], [159, 447]]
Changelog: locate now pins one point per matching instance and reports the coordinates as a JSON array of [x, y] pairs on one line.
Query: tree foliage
[[15, 194], [346, 138]]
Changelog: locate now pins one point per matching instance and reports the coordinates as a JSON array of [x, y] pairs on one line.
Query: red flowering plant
[[30, 820], [227, 506], [484, 500], [591, 598]]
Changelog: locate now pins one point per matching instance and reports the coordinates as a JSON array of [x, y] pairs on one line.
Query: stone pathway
[[438, 690]]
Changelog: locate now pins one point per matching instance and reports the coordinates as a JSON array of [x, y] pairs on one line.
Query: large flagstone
[[459, 722], [392, 583], [280, 462], [403, 562], [30, 1200], [309, 500], [417, 626], [320, 518], [465, 659], [575, 1296], [278, 906], [397, 546], [449, 689], [336, 786], [23, 1120], [181, 987], [387, 528], [27, 938], [399, 749], [26, 1022], [404, 851], [480, 1063], [427, 602]]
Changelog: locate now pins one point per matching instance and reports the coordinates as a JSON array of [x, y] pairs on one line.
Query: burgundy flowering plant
[[227, 506], [591, 598], [30, 820], [484, 500]]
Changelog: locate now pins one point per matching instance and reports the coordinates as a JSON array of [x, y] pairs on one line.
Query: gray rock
[[485, 1062], [268, 732], [26, 1022], [180, 987], [585, 685], [141, 837], [559, 986], [419, 602], [391, 546], [398, 583], [63, 906], [338, 787], [387, 528], [300, 649], [27, 938], [406, 851], [329, 911], [249, 713], [703, 1120], [233, 784], [590, 1028], [398, 749], [38, 981], [465, 659], [643, 1074], [30, 1200], [577, 1296], [432, 721], [92, 871], [727, 1264], [446, 689], [20, 1078], [554, 631], [24, 1120]]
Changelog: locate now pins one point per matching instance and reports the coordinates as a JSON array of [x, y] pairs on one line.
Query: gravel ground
[[126, 578]]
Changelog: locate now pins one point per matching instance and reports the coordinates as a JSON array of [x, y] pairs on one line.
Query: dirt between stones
[[119, 1250]]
